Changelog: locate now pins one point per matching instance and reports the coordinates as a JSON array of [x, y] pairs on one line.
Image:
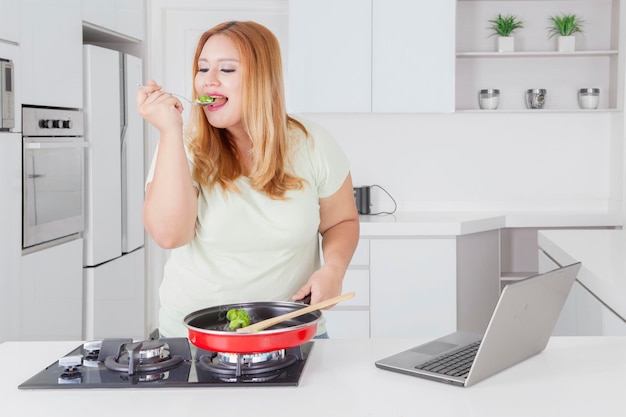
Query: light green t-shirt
[[249, 247]]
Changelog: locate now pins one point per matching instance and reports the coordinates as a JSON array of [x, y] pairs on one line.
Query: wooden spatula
[[279, 319]]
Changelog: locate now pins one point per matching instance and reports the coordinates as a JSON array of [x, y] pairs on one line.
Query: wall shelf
[[536, 63], [538, 111], [535, 54]]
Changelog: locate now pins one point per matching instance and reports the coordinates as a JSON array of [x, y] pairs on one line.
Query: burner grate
[[241, 368], [141, 357]]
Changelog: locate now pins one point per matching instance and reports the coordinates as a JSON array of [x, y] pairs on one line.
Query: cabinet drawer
[[357, 280], [347, 324], [361, 255]]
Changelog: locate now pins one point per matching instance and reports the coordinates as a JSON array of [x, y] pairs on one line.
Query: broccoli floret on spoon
[[205, 99], [238, 317]]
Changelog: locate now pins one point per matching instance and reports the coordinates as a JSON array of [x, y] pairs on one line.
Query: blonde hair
[[265, 119]]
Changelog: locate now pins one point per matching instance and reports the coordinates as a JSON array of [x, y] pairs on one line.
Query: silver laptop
[[520, 327]]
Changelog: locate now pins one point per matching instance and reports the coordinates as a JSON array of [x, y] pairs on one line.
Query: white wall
[[468, 161]]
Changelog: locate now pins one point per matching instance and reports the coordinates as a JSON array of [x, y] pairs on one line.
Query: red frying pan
[[208, 328]]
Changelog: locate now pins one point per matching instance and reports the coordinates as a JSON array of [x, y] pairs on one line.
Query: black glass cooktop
[[165, 363]]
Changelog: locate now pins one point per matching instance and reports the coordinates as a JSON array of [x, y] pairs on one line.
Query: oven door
[[53, 188]]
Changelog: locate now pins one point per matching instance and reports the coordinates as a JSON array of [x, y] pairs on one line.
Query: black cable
[[395, 205]]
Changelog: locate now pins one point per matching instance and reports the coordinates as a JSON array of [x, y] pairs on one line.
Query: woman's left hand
[[325, 283]]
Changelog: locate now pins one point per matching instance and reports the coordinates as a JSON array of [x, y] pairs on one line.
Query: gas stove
[[168, 362]]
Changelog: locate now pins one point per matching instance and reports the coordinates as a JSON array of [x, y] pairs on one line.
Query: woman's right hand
[[159, 108]]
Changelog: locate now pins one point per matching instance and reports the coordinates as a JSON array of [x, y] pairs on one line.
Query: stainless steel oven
[[53, 175]]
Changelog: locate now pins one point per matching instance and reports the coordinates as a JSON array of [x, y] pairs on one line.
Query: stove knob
[[71, 361], [61, 124], [45, 124], [92, 346]]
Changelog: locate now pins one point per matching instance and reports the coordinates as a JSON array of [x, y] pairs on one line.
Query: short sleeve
[[329, 163]]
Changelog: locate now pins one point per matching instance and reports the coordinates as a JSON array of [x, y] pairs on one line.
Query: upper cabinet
[[51, 52], [536, 62], [125, 17], [382, 56], [330, 56], [9, 21], [413, 56]]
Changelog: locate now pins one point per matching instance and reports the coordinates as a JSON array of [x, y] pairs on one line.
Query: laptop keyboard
[[454, 364]]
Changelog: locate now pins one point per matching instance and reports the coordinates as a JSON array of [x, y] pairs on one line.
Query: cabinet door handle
[[57, 145]]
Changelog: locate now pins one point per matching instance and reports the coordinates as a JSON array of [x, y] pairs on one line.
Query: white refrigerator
[[114, 266]]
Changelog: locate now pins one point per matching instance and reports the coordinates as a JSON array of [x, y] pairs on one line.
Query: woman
[[244, 197]]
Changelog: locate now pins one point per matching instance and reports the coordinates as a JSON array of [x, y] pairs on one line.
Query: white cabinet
[[51, 46], [52, 293], [413, 287], [351, 318], [330, 59], [114, 295], [125, 17], [583, 314], [431, 286], [10, 232], [413, 56], [10, 21], [419, 286], [535, 63], [384, 56]]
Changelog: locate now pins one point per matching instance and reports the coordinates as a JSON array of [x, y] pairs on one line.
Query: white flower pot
[[566, 43], [506, 44]]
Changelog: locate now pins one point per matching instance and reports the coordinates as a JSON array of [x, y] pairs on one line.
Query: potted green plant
[[504, 27], [565, 26]]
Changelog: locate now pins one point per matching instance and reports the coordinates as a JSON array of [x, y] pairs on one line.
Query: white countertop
[[603, 257], [574, 376], [456, 223], [564, 218], [428, 224]]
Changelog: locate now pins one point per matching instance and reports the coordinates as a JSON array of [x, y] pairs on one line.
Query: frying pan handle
[[264, 324], [305, 300]]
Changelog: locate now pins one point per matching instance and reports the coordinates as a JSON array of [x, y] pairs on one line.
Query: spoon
[[202, 101], [283, 317]]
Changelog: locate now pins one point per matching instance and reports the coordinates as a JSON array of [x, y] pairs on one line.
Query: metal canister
[[536, 98]]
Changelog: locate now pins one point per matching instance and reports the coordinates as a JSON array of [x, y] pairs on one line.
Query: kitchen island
[[574, 376], [421, 262]]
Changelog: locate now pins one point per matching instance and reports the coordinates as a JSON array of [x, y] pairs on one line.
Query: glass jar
[[589, 98], [489, 99]]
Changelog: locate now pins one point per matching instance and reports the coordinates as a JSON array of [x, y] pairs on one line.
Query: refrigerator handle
[[123, 104], [123, 138]]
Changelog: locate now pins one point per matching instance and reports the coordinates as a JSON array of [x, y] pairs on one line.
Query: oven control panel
[[47, 121]]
